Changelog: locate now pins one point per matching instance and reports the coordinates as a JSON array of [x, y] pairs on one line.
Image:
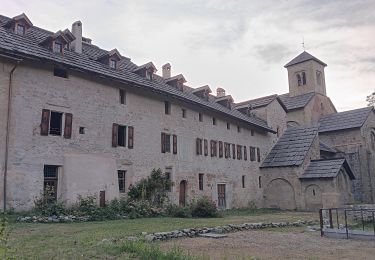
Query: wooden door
[[221, 196], [102, 198], [182, 199]]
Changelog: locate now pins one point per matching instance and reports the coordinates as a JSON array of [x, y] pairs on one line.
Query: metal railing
[[350, 219]]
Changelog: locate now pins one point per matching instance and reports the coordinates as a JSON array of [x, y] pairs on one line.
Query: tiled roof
[[296, 102], [255, 103], [291, 148], [344, 120], [326, 148], [28, 47], [328, 168], [304, 56]]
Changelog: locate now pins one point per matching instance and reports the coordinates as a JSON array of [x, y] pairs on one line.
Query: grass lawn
[[84, 240]]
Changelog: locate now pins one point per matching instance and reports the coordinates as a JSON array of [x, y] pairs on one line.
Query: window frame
[[201, 181], [167, 107], [121, 179]]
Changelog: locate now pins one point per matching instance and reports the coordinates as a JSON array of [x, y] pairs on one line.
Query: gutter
[[7, 133]]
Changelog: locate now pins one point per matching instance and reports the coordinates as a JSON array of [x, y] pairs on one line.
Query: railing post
[[346, 225], [330, 218], [373, 221], [321, 222], [363, 223]]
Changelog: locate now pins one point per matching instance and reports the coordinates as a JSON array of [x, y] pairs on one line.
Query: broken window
[[121, 180], [55, 125], [50, 182], [200, 181]]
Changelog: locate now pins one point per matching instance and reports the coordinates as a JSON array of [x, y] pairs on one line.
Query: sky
[[239, 45]]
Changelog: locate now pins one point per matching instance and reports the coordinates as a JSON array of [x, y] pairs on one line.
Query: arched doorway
[[279, 193], [182, 199]]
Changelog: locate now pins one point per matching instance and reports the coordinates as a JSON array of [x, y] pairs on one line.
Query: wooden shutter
[[114, 135], [174, 144], [44, 126], [130, 137], [68, 126], [205, 147], [245, 152], [220, 149], [212, 148], [258, 154], [197, 146], [163, 142]]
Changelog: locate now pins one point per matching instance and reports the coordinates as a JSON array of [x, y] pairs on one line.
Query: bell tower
[[306, 74]]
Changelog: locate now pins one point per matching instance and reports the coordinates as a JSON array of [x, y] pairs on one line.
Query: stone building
[[87, 121]]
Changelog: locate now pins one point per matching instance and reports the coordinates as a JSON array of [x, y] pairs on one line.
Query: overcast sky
[[239, 45]]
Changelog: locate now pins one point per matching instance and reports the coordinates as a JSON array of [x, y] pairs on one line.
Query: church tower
[[306, 74]]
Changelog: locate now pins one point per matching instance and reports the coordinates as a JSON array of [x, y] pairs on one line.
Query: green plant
[[204, 208], [46, 205], [178, 212]]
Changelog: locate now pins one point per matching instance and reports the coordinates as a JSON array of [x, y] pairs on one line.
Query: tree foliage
[[371, 99]]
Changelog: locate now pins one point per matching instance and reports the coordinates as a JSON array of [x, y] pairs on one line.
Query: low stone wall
[[367, 212], [194, 232], [53, 219]]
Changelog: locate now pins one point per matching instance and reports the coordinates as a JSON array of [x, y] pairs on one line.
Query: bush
[[204, 208], [178, 212], [45, 205]]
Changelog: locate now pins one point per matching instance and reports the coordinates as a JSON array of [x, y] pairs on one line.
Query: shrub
[[45, 205], [204, 208], [178, 212]]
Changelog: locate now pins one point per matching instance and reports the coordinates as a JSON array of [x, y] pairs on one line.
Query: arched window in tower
[[299, 80], [303, 78], [318, 77], [372, 138]]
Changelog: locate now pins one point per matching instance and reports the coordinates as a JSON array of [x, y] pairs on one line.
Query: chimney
[[220, 92], [166, 70], [77, 32]]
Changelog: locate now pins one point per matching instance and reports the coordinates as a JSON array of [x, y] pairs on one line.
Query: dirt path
[[276, 245]]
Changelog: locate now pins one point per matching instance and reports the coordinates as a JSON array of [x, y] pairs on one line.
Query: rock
[[150, 237], [144, 233], [132, 238]]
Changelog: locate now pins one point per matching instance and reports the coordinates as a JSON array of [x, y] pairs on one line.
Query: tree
[[371, 99]]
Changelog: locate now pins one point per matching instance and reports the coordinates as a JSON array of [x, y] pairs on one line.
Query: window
[[149, 74], [243, 181], [260, 181], [233, 151], [200, 115], [130, 137], [50, 182], [277, 131], [121, 135], [59, 72], [112, 63], [220, 149], [299, 80], [205, 147], [81, 130], [239, 152], [258, 154], [226, 150], [318, 77], [252, 132], [121, 181], [245, 153], [199, 146], [228, 126], [122, 96], [167, 107], [168, 177], [252, 153], [165, 143], [303, 78], [200, 181], [372, 139], [55, 125], [20, 29], [57, 47], [214, 121], [213, 145], [238, 129], [183, 113]]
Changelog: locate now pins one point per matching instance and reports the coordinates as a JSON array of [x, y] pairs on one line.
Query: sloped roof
[[292, 147], [344, 120], [327, 168], [304, 56], [326, 148], [255, 103], [27, 47], [296, 102]]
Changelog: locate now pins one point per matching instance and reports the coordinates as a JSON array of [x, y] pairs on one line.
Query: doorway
[[182, 199], [221, 202]]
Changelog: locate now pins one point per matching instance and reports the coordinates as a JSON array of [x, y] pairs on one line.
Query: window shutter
[[234, 151], [212, 148], [163, 142], [114, 135], [174, 144], [258, 154], [68, 126], [45, 122], [220, 149], [197, 146], [130, 137], [245, 152], [205, 147]]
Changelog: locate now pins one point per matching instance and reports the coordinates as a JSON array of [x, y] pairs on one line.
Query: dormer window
[[20, 29], [112, 64], [146, 70], [57, 47], [149, 74]]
